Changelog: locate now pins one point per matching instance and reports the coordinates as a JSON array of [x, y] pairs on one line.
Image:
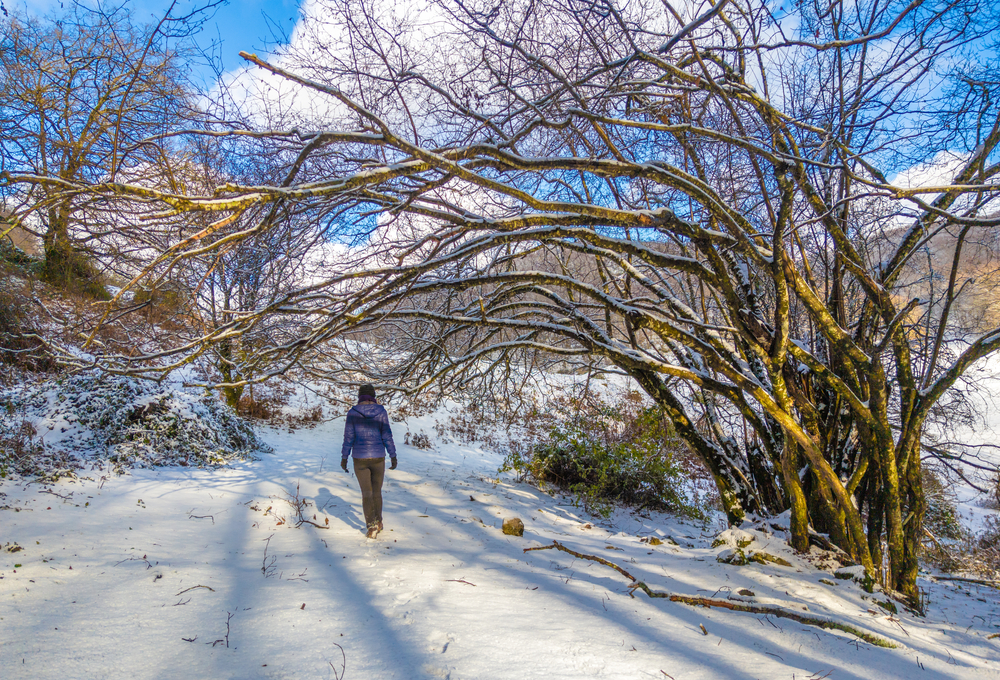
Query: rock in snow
[[513, 526]]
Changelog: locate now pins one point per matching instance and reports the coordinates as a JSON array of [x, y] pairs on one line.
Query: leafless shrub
[[20, 344], [420, 441], [261, 408], [975, 554], [942, 517]]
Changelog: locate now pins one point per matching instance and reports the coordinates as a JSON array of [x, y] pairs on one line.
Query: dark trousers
[[371, 472]]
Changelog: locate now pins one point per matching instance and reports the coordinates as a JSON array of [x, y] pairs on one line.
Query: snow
[[137, 576]]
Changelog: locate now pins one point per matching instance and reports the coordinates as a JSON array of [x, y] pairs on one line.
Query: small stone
[[734, 556], [761, 557], [513, 526], [655, 541], [826, 581], [857, 574], [745, 593]]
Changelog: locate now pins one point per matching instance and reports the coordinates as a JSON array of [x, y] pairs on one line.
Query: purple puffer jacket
[[367, 432]]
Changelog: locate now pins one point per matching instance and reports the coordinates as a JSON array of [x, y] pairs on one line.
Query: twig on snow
[[57, 495], [343, 664], [149, 565], [594, 558], [193, 588], [211, 517], [306, 521], [267, 567]]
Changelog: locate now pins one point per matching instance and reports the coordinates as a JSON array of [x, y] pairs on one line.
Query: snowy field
[[202, 573]]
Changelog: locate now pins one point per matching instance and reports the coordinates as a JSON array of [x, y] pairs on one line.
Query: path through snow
[[163, 574]]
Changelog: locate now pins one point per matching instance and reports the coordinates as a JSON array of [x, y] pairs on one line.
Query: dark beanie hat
[[366, 391]]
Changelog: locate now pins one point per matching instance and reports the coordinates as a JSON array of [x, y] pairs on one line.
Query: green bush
[[612, 454]]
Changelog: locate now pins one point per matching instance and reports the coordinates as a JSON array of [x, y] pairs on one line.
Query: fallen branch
[[821, 541], [962, 579], [931, 536], [458, 580], [594, 558], [739, 606]]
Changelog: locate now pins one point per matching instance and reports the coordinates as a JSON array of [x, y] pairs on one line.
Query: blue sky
[[252, 25]]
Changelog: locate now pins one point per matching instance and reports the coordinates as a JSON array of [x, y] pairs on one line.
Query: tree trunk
[[230, 373], [796, 498]]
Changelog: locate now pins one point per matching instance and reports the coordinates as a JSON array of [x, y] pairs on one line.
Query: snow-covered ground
[[201, 573]]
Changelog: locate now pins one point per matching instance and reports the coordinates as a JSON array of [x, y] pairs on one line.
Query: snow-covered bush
[[612, 453], [128, 422]]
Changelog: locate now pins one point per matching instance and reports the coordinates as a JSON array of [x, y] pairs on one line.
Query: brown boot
[[372, 532], [380, 526]]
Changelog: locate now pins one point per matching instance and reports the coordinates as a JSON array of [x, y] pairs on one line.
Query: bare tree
[[85, 93], [231, 283], [698, 198]]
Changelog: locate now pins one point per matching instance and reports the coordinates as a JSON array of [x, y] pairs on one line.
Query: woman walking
[[368, 435]]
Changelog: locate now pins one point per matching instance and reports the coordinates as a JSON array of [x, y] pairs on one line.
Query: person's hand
[[343, 464], [392, 463]]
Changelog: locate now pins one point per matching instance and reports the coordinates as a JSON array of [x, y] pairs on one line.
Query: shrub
[[258, 409], [19, 346], [942, 518], [608, 454], [420, 441], [22, 451], [272, 402], [950, 546], [986, 552]]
